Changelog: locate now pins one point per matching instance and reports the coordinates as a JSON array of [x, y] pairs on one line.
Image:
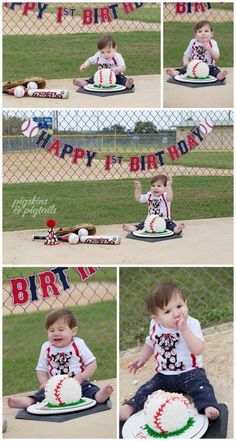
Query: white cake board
[[41, 409], [185, 79], [134, 427], [93, 88], [143, 233]]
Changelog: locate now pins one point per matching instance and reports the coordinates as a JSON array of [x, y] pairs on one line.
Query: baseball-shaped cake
[[197, 69], [105, 78], [61, 390], [154, 224], [166, 412]]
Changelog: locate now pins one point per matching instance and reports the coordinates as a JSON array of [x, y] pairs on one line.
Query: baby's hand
[[182, 322], [78, 378], [206, 45], [169, 181], [137, 185], [43, 385], [82, 67], [134, 365]]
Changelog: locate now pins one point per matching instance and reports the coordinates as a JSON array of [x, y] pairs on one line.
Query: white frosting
[[154, 224], [197, 69], [105, 78], [166, 412], [62, 389]]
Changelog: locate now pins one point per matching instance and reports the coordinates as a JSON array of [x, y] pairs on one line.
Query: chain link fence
[[91, 296], [209, 292], [179, 20], [64, 35]]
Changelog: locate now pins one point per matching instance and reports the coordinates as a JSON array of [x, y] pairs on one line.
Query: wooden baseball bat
[[100, 240], [41, 93], [60, 238]]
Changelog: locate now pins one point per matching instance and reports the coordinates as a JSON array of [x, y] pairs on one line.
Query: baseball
[[32, 85], [205, 125], [19, 91], [197, 69], [62, 389], [73, 239], [105, 78], [154, 224], [83, 232], [29, 128]]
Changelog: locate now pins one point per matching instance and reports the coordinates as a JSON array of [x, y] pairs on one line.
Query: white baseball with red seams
[[197, 69], [105, 78], [166, 412], [62, 389], [206, 125], [154, 224], [29, 128]]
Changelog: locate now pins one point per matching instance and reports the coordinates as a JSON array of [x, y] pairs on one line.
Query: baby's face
[[157, 188], [60, 335], [172, 312], [107, 52], [204, 34]]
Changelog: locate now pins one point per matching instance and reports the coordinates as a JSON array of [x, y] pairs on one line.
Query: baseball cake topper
[[51, 238]]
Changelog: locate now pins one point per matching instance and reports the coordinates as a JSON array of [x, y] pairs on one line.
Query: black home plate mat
[[216, 430], [88, 92], [154, 239], [24, 415], [196, 85]]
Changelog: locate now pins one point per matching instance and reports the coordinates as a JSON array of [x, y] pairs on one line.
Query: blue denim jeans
[[193, 383]]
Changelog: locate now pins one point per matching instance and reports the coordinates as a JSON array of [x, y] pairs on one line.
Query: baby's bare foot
[[172, 72], [125, 412], [80, 83], [179, 228], [20, 402], [222, 75], [129, 83], [212, 413], [103, 394], [129, 228]]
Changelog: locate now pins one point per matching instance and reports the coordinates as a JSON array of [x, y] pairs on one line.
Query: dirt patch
[[31, 25], [217, 362], [40, 166], [77, 294]]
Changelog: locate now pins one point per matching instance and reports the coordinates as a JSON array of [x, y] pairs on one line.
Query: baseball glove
[[67, 230], [40, 81]]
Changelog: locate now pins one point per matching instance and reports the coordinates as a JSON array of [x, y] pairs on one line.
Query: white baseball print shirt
[[116, 61], [196, 52], [157, 204], [71, 359], [171, 353]]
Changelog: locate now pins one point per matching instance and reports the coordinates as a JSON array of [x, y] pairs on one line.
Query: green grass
[[147, 13], [209, 292], [24, 334], [59, 61], [102, 275], [195, 197], [174, 47]]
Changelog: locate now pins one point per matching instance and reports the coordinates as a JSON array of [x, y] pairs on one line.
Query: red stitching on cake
[[160, 411], [110, 78], [57, 391], [152, 224], [100, 77], [195, 68]]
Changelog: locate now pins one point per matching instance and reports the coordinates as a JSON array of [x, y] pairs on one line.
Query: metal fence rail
[[209, 293]]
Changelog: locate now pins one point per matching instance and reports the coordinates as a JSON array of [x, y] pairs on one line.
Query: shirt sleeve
[[215, 47], [149, 339], [195, 327], [85, 352], [144, 198], [42, 361], [119, 59], [188, 51], [93, 59]]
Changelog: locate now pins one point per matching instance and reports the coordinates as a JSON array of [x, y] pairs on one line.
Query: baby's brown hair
[[61, 314], [160, 296], [162, 178], [106, 40], [202, 23]]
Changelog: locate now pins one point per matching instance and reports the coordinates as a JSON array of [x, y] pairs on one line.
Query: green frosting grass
[[154, 434], [53, 406]]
